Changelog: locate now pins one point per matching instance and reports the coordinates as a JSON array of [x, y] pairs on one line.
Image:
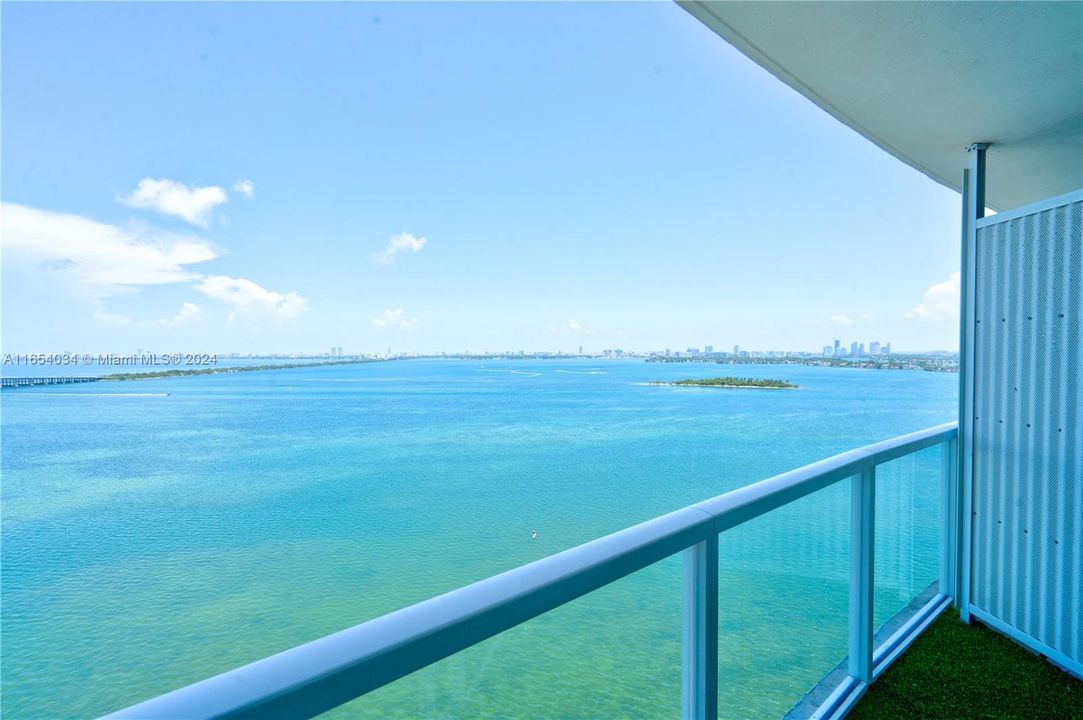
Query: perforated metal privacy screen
[[1028, 441]]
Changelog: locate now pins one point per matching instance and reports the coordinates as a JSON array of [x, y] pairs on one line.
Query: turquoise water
[[157, 532]]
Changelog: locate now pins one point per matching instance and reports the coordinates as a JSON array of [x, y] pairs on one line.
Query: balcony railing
[[313, 678]]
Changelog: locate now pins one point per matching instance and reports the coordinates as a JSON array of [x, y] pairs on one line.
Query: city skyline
[[875, 347], [463, 194], [337, 351]]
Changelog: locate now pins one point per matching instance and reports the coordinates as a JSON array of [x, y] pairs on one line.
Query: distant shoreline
[[898, 361], [729, 382], [116, 377]]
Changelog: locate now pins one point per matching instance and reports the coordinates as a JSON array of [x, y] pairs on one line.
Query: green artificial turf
[[954, 670]]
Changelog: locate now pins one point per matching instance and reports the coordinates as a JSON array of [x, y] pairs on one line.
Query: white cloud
[[189, 312], [842, 319], [571, 327], [102, 257], [170, 197], [941, 302], [398, 244], [392, 319], [245, 187], [57, 255], [248, 297]]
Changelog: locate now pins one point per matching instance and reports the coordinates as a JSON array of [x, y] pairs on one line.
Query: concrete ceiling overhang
[[923, 80]]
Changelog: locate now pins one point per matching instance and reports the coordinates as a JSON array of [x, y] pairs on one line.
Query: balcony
[[999, 538]]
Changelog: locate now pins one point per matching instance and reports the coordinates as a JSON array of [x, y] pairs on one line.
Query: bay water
[[157, 532]]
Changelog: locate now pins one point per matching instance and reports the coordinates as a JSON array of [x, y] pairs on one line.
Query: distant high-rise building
[[838, 350], [874, 347], [580, 349], [887, 349], [861, 349], [667, 352], [853, 349], [828, 351], [736, 351], [708, 349]]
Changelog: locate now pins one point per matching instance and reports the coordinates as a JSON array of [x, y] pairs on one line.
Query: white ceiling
[[924, 79]]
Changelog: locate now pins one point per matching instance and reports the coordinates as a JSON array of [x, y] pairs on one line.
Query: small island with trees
[[730, 382]]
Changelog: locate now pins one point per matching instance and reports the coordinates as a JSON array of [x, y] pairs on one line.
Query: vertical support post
[[977, 177], [949, 518], [862, 538], [699, 663], [973, 209]]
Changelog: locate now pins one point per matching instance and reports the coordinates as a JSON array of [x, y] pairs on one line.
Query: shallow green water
[[158, 532]]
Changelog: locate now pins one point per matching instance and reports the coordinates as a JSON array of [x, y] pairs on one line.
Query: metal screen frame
[[1022, 513]]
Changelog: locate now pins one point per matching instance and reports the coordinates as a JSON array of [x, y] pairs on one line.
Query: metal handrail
[[317, 676]]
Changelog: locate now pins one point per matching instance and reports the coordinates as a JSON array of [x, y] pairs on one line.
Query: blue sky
[[489, 176]]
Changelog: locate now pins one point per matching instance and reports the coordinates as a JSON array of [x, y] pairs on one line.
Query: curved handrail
[[322, 674], [751, 501]]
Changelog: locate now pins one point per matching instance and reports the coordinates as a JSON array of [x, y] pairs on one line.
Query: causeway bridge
[[10, 382]]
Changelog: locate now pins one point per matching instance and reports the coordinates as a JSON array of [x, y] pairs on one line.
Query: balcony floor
[[954, 670]]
